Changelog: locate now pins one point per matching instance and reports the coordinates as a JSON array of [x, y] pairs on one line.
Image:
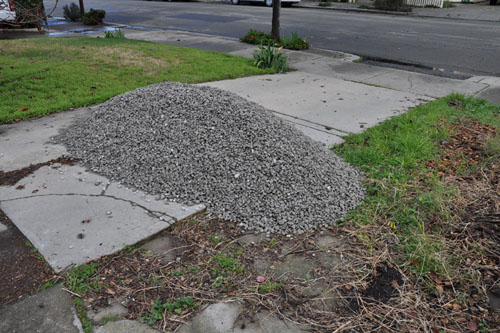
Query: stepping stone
[[165, 247], [73, 216], [124, 326], [265, 322], [51, 310], [294, 267], [215, 318], [325, 298], [115, 310]]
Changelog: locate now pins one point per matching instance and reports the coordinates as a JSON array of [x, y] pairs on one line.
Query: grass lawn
[[45, 75], [406, 186]]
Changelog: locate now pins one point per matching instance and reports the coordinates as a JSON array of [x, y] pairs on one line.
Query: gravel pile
[[203, 145]]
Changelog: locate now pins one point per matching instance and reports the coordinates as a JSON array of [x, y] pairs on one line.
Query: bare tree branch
[[26, 15]]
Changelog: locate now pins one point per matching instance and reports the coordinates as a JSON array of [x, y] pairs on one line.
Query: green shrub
[[294, 42], [448, 4], [270, 57], [392, 5], [72, 12], [93, 16], [325, 4], [257, 37], [117, 34], [363, 6]]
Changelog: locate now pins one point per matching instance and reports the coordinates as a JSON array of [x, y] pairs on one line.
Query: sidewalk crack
[[153, 213]]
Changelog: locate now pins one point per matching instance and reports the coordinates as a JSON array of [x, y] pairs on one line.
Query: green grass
[[178, 306], [44, 75], [269, 287], [448, 4], [80, 279], [401, 192]]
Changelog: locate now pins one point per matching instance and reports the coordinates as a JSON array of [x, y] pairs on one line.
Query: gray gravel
[[203, 145]]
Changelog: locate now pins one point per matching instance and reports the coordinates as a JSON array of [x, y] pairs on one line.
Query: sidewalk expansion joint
[[314, 123]]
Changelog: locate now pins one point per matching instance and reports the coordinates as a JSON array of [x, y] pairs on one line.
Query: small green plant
[[269, 287], [79, 279], [270, 57], [214, 239], [448, 4], [294, 42], [117, 34], [93, 16], [72, 12], [325, 4], [178, 306]]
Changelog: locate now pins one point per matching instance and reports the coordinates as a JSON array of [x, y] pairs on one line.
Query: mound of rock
[[196, 144]]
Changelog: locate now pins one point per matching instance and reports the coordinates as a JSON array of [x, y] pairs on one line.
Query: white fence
[[425, 3]]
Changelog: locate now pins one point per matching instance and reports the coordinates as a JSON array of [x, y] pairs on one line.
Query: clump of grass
[[117, 34], [79, 279], [448, 4], [492, 147], [269, 287], [178, 306]]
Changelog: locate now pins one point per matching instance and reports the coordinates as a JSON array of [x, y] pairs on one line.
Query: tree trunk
[[275, 32], [82, 9]]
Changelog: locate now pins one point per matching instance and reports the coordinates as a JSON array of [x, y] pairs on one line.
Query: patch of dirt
[[12, 177], [22, 270], [384, 284], [464, 149]]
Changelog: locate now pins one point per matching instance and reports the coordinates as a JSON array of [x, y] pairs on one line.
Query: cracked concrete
[[73, 216]]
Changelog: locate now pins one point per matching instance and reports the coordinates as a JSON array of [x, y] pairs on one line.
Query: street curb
[[384, 12], [356, 10]]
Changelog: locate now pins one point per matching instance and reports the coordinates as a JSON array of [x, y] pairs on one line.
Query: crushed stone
[[195, 144]]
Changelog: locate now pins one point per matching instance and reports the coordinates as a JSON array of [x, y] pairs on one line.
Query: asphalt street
[[453, 45]]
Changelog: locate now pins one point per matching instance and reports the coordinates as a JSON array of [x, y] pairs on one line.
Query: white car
[[268, 3], [7, 11]]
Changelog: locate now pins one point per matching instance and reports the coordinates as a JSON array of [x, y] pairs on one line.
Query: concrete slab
[[72, 216], [492, 95], [416, 83], [29, 142], [57, 226], [265, 322], [215, 318], [51, 310], [124, 326], [332, 103]]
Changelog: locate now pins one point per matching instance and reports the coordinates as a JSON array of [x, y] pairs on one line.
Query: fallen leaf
[[461, 320], [472, 325], [23, 109], [348, 287], [456, 307], [19, 187], [395, 284], [109, 291]]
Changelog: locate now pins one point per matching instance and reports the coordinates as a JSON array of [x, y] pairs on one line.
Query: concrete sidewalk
[[72, 215]]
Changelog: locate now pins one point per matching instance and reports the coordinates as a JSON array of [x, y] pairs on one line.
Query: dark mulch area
[[10, 178], [23, 271]]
